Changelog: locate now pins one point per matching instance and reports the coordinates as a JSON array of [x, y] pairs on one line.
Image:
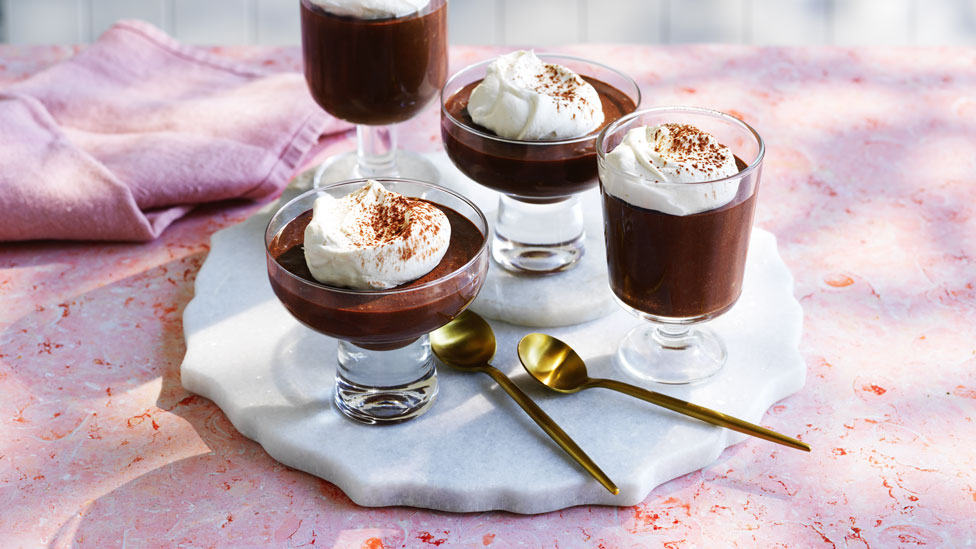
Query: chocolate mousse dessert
[[676, 244], [376, 282], [369, 65], [542, 149]]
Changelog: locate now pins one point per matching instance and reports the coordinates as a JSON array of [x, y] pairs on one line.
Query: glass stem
[[390, 368], [672, 336], [540, 224], [377, 146]]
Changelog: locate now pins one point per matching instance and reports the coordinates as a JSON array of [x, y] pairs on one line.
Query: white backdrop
[[521, 22]]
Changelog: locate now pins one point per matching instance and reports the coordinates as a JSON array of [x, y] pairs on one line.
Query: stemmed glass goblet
[[539, 225], [678, 270], [385, 370], [374, 73]]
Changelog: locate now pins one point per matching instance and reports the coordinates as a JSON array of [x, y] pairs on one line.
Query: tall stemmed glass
[[374, 73], [678, 270]]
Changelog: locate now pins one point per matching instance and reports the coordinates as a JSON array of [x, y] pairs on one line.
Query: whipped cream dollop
[[373, 239], [523, 98], [655, 164], [371, 9]]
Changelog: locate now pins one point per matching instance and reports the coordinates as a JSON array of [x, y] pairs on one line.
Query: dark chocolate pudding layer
[[374, 71], [376, 320], [678, 266], [533, 170]]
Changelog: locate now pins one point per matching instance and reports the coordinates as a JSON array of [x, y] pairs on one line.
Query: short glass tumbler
[[672, 268], [539, 227], [385, 371]]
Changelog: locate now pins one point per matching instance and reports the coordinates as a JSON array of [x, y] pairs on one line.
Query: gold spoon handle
[[700, 412], [551, 428]]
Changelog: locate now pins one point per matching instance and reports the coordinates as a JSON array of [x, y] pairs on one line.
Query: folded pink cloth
[[131, 133]]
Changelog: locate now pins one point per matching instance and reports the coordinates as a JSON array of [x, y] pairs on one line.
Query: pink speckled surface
[[870, 187]]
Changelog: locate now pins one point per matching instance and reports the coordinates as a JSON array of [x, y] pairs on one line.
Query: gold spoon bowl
[[467, 343], [557, 366]]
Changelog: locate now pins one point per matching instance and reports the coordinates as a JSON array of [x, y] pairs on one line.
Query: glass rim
[[388, 291], [431, 6], [533, 142], [616, 124]]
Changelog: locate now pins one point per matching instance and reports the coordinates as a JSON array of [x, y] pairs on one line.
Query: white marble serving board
[[475, 450]]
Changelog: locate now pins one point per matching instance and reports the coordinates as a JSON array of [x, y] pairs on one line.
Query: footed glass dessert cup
[[374, 73], [539, 224], [675, 269], [385, 371]]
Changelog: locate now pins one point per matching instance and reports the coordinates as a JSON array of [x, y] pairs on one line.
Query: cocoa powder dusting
[[555, 85], [688, 143], [420, 217], [381, 223]]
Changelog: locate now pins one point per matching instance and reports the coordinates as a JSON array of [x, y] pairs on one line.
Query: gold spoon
[[468, 344], [557, 366]]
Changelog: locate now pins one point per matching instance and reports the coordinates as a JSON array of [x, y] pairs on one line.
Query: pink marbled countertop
[[870, 186]]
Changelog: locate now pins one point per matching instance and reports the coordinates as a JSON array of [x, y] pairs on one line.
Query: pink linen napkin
[[127, 136]]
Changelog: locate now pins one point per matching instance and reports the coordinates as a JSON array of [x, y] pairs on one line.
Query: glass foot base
[[536, 258], [385, 405], [346, 166], [672, 354]]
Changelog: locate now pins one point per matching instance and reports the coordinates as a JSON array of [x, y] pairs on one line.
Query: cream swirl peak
[[522, 97], [371, 9], [655, 166], [374, 239]]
